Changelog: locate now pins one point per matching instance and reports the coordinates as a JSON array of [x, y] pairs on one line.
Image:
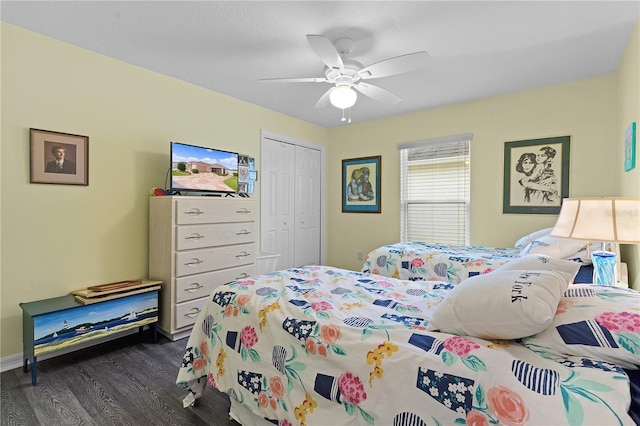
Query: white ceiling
[[477, 48]]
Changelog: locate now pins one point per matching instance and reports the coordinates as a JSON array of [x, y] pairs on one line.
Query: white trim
[[445, 139], [241, 414], [287, 139], [10, 362]]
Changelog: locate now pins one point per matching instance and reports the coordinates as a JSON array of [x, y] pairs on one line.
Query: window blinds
[[435, 190]]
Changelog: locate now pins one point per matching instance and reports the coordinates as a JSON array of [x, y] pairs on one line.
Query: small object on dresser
[[158, 192]]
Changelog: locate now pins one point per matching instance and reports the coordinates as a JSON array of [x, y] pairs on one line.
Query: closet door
[[307, 206], [277, 217]]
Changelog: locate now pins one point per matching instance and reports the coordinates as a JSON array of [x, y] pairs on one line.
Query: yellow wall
[[57, 238], [584, 110], [628, 78], [131, 114]]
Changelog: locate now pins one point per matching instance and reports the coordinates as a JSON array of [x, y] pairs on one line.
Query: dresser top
[[201, 197]]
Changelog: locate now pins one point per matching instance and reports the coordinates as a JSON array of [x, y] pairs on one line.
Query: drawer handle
[[243, 254], [243, 232], [194, 211], [193, 287], [243, 210], [192, 313], [194, 237], [194, 262], [243, 275]]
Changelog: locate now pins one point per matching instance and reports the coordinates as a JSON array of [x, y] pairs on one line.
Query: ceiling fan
[[347, 74]]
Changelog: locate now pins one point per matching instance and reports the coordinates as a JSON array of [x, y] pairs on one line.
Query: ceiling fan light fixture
[[343, 97]]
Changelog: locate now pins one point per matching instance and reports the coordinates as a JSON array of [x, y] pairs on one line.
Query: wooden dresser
[[195, 245]]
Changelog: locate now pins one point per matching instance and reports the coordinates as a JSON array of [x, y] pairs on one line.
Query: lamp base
[[604, 267]]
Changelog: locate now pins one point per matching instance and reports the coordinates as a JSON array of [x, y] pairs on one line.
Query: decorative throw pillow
[[597, 322], [540, 261], [562, 248], [507, 304], [584, 254], [526, 240]]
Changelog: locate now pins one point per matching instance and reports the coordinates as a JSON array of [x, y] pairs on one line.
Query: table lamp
[[606, 219]]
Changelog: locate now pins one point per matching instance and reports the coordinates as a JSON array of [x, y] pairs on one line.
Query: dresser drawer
[[219, 234], [190, 211], [201, 285], [187, 312], [211, 259]]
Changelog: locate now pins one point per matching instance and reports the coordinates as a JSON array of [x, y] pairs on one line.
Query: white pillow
[[507, 304], [584, 254], [526, 240], [561, 248], [542, 262]]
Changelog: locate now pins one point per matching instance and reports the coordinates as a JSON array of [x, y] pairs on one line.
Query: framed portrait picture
[[630, 148], [536, 175], [361, 185], [59, 158]]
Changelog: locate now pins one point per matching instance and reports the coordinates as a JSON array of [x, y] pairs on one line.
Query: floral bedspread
[[319, 345], [435, 262]]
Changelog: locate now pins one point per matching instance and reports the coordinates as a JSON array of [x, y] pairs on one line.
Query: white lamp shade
[[613, 219], [343, 97]]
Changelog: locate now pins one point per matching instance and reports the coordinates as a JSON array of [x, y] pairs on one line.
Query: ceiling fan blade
[[295, 80], [377, 93], [397, 65], [324, 100], [326, 51]]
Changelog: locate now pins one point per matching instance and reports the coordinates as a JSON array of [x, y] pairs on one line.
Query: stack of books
[[100, 293]]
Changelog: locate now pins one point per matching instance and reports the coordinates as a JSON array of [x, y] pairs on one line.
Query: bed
[[435, 262], [454, 263], [319, 345]]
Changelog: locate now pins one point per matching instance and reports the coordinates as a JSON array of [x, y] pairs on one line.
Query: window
[[434, 200]]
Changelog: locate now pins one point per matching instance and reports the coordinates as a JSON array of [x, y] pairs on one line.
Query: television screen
[[200, 169]]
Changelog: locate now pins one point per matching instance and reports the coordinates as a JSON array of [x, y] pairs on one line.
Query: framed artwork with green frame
[[361, 185], [536, 175]]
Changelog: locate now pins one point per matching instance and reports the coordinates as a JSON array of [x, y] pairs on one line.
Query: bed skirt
[[242, 415]]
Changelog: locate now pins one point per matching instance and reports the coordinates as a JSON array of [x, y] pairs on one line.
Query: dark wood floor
[[128, 381]]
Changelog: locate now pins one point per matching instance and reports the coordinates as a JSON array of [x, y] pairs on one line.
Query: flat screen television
[[200, 169]]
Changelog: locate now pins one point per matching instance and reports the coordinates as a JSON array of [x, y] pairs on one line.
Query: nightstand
[[623, 279]]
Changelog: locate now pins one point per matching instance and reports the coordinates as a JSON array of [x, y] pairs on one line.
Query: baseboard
[[177, 336], [16, 361], [10, 362]]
